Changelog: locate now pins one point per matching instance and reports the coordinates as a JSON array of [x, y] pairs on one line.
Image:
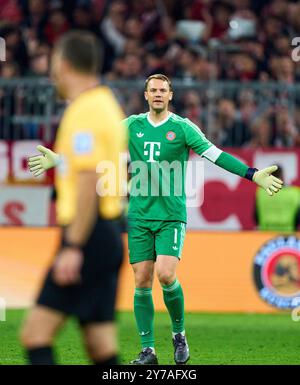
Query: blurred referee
[[82, 281]]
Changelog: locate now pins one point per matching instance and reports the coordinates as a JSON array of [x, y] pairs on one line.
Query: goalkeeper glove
[[267, 181], [40, 163]]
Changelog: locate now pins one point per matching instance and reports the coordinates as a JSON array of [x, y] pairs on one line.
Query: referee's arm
[[79, 230]]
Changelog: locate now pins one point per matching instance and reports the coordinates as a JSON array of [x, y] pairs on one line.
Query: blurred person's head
[[293, 16], [149, 4], [187, 58], [154, 63], [133, 47], [158, 92], [240, 5], [282, 45], [245, 66], [133, 28], [246, 97], [200, 69], [273, 65], [37, 7], [76, 62], [262, 132], [226, 109], [221, 12], [286, 66], [9, 70], [117, 7], [132, 66], [272, 27], [254, 48], [247, 104], [283, 122], [12, 36], [191, 99], [279, 8], [82, 17], [57, 19], [39, 64]]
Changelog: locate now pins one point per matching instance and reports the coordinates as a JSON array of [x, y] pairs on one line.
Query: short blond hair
[[160, 77]]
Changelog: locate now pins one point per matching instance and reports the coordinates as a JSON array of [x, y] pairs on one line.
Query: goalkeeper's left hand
[[267, 181], [40, 163]]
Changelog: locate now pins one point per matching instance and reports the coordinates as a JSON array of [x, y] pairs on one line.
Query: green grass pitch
[[217, 339]]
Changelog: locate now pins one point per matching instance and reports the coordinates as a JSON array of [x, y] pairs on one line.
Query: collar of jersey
[[160, 123]]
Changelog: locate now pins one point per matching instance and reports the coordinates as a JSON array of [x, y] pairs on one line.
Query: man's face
[[58, 74], [158, 95]]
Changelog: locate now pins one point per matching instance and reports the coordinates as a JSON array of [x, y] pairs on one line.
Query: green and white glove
[[267, 181], [38, 164]]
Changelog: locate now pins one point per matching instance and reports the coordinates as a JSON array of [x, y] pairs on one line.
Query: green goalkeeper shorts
[[149, 238]]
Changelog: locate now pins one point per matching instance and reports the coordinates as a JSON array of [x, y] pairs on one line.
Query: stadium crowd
[[204, 41]]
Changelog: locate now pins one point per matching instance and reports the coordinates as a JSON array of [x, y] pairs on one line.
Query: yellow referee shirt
[[90, 134]]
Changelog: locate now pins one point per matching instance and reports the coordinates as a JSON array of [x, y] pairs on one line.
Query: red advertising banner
[[229, 201], [13, 162]]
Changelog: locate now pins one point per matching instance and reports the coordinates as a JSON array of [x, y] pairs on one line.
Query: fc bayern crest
[[277, 272], [171, 135]]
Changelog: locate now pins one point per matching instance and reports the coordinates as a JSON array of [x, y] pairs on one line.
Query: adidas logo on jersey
[[139, 134]]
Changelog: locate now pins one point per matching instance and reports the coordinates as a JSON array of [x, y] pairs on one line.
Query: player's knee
[[30, 338], [143, 278], [166, 277], [101, 349]]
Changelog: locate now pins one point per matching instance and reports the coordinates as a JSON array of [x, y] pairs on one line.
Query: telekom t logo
[[152, 150]]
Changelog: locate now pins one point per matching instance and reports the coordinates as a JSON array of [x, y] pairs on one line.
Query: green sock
[[144, 315], [174, 300]]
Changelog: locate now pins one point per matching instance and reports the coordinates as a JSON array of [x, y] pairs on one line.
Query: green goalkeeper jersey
[[158, 156]]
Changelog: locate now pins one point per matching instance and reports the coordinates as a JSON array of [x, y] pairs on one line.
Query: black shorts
[[93, 299]]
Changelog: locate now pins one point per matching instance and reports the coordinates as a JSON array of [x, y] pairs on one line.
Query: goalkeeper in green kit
[[160, 141]]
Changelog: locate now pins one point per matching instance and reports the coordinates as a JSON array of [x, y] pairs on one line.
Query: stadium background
[[235, 75]]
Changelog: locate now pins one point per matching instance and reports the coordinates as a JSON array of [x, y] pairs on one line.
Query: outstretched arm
[[202, 146], [38, 164], [262, 178]]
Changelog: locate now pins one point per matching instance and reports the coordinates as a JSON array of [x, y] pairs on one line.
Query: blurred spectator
[[192, 107], [56, 26], [221, 12], [39, 65], [35, 18], [16, 48], [229, 129], [10, 11], [261, 131], [286, 131], [83, 19], [9, 70], [282, 212], [113, 25]]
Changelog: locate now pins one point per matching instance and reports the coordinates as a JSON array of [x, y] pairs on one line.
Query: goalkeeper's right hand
[[38, 164]]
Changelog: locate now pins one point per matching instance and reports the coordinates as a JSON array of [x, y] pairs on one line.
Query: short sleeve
[[195, 138]]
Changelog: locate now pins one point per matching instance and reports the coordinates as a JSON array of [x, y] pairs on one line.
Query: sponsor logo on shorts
[[277, 272]]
